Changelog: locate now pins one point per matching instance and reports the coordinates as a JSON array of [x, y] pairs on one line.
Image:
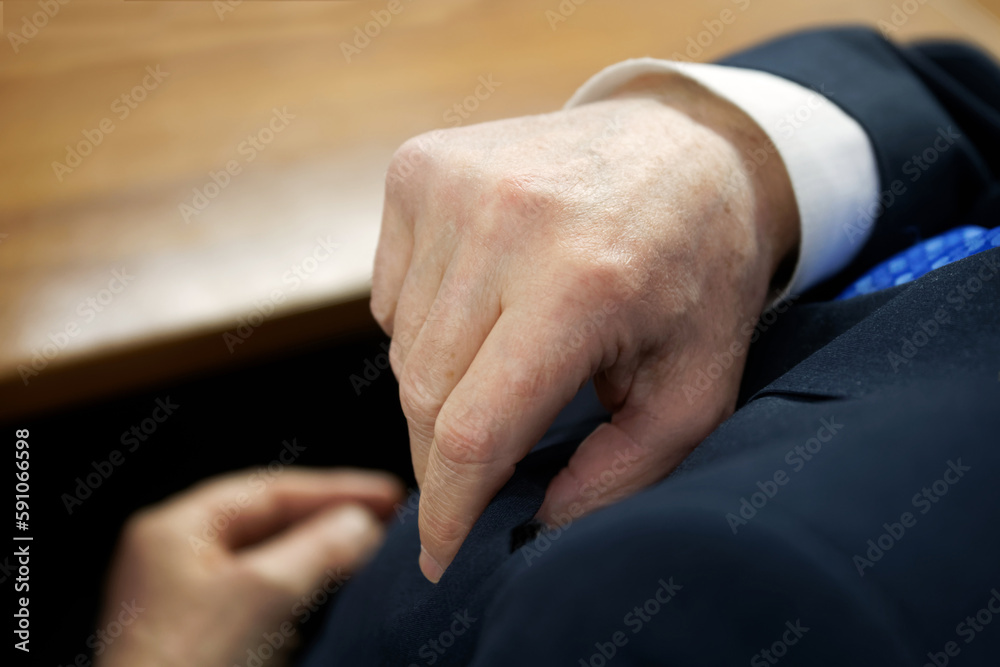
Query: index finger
[[525, 372], [256, 506]]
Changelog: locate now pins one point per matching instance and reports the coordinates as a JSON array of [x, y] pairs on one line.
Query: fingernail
[[430, 567], [353, 521]]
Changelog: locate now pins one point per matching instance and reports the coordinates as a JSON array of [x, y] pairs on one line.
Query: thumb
[[333, 542], [639, 447]]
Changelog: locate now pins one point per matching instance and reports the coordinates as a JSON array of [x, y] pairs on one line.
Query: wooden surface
[[225, 70]]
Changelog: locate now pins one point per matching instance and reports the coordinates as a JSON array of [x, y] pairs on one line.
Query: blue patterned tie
[[953, 245]]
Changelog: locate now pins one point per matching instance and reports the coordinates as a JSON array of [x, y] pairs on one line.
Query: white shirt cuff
[[827, 154]]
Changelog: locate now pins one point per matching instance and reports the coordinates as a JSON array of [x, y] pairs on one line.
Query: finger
[[392, 261], [258, 504], [327, 545], [519, 380], [639, 447], [420, 289], [456, 325]]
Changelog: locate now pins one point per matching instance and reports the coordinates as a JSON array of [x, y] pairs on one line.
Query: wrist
[[756, 165]]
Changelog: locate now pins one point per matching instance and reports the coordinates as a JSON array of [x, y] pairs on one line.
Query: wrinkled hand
[[231, 567], [626, 240]]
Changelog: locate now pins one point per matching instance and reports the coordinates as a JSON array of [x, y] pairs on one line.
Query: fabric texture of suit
[[847, 513]]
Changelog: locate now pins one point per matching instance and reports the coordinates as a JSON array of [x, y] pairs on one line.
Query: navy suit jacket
[[847, 513]]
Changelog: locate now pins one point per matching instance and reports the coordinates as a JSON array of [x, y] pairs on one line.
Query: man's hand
[[626, 240], [207, 574]]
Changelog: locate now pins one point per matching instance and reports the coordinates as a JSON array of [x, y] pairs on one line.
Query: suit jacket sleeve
[[932, 114]]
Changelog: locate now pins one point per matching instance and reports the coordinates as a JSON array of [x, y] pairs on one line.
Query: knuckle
[[524, 196], [528, 385], [612, 273], [412, 157], [518, 204], [465, 440], [506, 205], [602, 279], [419, 403]]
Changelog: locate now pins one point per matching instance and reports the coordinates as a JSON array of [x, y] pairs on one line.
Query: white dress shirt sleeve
[[827, 154]]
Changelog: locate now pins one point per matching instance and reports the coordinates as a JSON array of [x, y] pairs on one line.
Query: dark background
[[224, 422]]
